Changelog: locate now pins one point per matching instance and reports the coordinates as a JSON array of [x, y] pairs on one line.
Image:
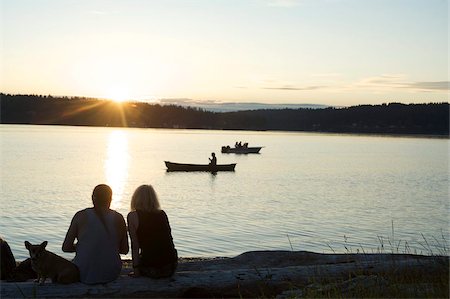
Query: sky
[[333, 52]]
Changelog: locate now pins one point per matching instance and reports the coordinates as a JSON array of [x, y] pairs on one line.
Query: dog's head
[[35, 250]]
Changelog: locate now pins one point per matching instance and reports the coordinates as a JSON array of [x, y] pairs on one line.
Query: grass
[[433, 247], [394, 283], [408, 284]]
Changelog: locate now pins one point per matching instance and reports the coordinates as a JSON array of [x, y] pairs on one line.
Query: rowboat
[[198, 167], [241, 150]]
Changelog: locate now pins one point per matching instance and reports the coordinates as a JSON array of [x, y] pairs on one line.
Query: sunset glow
[[118, 95], [116, 165], [341, 52]]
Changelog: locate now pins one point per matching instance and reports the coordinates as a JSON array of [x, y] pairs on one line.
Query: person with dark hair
[[101, 235], [10, 270], [8, 263], [152, 249]]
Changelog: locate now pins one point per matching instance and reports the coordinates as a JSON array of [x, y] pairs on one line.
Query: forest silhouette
[[392, 118]]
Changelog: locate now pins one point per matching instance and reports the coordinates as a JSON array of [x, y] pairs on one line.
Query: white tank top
[[97, 252]]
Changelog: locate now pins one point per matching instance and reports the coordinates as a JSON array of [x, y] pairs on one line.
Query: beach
[[270, 274]]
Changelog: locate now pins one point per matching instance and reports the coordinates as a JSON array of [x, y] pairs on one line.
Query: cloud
[[383, 81], [277, 84], [186, 101], [334, 82], [400, 82], [287, 87], [438, 85], [176, 101]]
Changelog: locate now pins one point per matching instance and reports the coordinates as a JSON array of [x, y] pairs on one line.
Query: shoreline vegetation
[[388, 272], [418, 120], [270, 274]]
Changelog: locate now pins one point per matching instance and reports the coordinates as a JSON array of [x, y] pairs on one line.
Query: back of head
[[101, 197], [145, 199]]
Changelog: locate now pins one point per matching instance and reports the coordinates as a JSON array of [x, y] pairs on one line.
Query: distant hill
[[214, 106], [393, 118]]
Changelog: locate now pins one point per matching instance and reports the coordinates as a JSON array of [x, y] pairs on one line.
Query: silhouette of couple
[[101, 235]]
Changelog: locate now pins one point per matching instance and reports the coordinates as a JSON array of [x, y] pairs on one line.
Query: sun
[[118, 95]]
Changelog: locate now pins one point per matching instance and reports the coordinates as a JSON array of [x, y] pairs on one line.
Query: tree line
[[392, 118]]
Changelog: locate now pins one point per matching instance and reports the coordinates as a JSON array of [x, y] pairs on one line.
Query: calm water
[[316, 192]]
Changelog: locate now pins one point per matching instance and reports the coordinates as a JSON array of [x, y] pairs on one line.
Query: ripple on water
[[305, 191]]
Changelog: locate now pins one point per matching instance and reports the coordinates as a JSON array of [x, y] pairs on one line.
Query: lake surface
[[305, 191]]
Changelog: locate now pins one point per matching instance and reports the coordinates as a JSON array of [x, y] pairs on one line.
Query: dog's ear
[[27, 245], [44, 244]]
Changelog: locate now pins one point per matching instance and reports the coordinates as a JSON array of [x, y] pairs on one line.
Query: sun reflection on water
[[116, 165]]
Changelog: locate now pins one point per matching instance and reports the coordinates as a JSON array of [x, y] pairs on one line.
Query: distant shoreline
[[393, 135], [393, 119]]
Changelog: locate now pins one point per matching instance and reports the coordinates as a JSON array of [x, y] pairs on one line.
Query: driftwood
[[254, 274]]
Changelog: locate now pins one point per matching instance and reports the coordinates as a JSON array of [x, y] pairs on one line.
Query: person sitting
[[10, 271], [101, 237], [8, 262], [213, 160], [152, 249]]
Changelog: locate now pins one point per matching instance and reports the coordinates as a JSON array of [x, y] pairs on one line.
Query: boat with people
[[171, 166], [240, 148]]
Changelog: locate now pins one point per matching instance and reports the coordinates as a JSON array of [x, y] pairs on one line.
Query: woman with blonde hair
[[152, 249]]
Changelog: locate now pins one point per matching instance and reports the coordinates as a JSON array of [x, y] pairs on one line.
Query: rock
[[259, 274], [294, 293]]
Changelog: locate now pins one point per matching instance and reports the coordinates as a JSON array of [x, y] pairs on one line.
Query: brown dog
[[47, 264]]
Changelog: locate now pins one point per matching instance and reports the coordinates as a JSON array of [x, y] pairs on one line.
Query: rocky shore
[[275, 274]]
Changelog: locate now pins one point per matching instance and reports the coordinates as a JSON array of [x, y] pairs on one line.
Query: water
[[316, 192]]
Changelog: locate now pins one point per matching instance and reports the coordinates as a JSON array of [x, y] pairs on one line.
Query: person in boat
[[236, 145], [213, 160], [101, 235], [246, 145], [152, 249]]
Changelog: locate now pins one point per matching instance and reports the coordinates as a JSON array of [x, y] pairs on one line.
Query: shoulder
[[117, 216], [163, 215], [81, 212], [132, 215], [80, 215], [132, 219]]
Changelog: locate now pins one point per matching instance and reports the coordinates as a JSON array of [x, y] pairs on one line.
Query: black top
[[8, 263], [155, 239]]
